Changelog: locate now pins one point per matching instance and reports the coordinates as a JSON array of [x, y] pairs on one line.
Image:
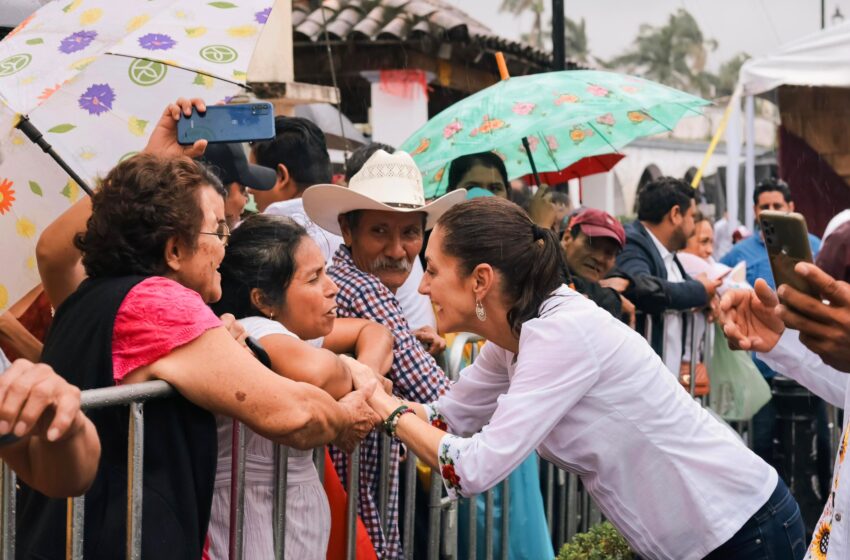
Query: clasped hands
[[755, 319]]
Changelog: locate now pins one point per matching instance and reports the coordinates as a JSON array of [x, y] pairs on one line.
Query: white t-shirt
[[592, 397], [417, 308], [4, 362]]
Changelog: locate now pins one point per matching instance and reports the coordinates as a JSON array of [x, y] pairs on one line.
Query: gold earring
[[271, 316], [479, 311]]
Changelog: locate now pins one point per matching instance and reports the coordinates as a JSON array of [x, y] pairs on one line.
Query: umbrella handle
[[503, 66]]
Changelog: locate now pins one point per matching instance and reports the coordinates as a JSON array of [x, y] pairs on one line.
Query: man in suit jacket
[[659, 285]]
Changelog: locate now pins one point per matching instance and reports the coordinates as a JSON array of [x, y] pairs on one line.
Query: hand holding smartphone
[[786, 238], [244, 122]]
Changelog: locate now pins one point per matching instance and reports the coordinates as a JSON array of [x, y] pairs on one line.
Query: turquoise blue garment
[[528, 532]]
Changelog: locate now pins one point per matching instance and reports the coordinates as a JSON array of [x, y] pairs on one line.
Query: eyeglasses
[[222, 232]]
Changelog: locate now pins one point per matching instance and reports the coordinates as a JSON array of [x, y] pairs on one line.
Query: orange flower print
[[7, 196], [630, 89], [489, 125], [579, 135], [820, 542], [47, 92], [843, 449], [439, 175], [423, 146], [566, 98], [638, 117]]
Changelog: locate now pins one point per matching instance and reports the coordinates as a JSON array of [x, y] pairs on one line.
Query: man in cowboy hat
[[382, 217]]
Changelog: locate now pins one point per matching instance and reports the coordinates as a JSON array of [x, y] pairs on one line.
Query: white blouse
[[591, 396]]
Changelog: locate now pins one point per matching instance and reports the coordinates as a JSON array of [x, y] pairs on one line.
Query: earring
[[479, 311], [271, 316]]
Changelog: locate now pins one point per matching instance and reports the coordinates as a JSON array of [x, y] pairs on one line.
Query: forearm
[[413, 429], [59, 260], [61, 469], [14, 334], [375, 348]]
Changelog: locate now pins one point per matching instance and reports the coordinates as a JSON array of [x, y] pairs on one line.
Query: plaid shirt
[[415, 376]]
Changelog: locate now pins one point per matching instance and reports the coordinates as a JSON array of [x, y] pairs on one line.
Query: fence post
[[506, 510], [410, 504], [488, 525], [435, 507], [9, 480], [473, 528], [281, 462], [74, 530], [549, 498], [384, 479], [135, 478], [572, 505], [692, 322], [351, 506], [237, 491]]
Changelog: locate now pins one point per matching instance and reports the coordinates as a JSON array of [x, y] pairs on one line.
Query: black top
[[179, 449]]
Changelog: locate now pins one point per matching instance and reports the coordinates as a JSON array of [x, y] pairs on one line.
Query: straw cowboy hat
[[386, 182]]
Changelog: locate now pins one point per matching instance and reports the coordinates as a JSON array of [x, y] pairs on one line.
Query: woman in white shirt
[[274, 281], [562, 376]]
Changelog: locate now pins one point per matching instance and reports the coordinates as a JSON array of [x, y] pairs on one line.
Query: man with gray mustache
[[382, 217]]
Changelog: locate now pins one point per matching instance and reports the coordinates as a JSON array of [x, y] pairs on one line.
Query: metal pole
[[8, 512], [473, 528], [384, 480], [559, 47], [351, 506], [488, 525], [409, 504], [572, 504], [237, 491], [694, 348], [319, 461], [435, 506], [135, 477], [562, 507], [823, 14], [506, 519], [550, 495], [74, 533], [281, 460], [37, 138]]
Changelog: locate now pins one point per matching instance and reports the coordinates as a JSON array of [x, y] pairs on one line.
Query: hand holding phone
[[242, 122], [787, 241]]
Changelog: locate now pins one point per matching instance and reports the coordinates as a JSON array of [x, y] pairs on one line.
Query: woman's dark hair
[[260, 254], [460, 166], [141, 204], [658, 197], [528, 257]]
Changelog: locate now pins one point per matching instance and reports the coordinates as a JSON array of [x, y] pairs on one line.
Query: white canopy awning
[[818, 59]]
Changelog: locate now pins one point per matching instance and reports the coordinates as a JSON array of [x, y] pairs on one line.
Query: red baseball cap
[[598, 223]]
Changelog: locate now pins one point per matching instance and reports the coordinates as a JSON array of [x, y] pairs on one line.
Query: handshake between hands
[[364, 403], [754, 320]]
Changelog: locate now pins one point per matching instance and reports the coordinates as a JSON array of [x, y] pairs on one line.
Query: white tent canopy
[[818, 59]]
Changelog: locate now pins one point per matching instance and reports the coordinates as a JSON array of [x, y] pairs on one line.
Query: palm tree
[[536, 37], [727, 75], [673, 54], [575, 39]]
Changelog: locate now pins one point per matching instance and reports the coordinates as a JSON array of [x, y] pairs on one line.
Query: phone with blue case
[[243, 122]]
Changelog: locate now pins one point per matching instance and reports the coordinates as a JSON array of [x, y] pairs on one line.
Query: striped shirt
[[415, 376]]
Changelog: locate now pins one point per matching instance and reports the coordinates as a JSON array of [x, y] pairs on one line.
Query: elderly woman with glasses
[[151, 250]]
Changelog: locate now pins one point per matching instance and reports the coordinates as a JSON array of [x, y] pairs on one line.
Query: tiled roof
[[401, 20]]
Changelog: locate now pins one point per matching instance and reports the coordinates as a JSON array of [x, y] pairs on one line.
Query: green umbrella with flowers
[[565, 116]]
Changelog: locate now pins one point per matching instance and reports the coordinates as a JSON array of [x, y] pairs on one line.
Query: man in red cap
[[591, 243]]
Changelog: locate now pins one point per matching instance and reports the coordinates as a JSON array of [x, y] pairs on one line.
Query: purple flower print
[[156, 42], [262, 16], [77, 41], [97, 99]]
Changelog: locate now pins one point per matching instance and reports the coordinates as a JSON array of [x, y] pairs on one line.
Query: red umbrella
[[582, 168]]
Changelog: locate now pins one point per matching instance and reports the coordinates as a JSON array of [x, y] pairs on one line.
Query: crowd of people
[[351, 291]]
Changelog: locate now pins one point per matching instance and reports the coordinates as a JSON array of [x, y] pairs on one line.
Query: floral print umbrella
[[566, 116], [94, 76]]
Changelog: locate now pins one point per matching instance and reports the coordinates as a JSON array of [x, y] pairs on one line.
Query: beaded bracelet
[[391, 423]]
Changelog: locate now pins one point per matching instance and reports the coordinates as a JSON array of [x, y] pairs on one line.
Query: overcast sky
[[756, 27]]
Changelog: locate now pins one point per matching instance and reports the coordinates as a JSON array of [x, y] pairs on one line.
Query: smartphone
[[786, 238], [242, 122]]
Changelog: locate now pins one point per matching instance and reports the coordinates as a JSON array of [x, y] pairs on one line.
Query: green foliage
[[601, 542], [673, 54]]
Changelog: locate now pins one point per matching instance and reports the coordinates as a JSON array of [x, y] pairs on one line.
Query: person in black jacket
[[660, 286], [591, 243]]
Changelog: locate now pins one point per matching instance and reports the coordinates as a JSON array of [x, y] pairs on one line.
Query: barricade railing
[[568, 507]]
